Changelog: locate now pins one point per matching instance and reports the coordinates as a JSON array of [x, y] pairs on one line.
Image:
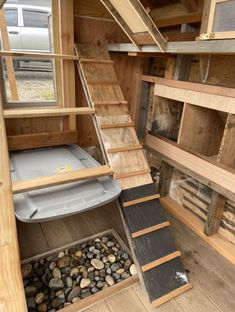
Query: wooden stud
[[114, 126], [191, 5], [38, 140], [9, 61], [38, 55], [46, 112], [166, 173], [150, 229], [171, 295], [215, 213], [140, 200], [124, 149], [11, 283], [160, 261], [62, 178]]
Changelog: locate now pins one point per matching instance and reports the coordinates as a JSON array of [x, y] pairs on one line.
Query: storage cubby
[[202, 129]]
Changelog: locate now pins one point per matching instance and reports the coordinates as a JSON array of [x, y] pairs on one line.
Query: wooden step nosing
[[174, 293], [160, 261], [150, 229], [114, 126], [131, 174], [100, 103], [141, 200], [124, 149], [96, 61]]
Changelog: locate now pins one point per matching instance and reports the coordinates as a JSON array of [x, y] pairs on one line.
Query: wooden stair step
[[124, 149], [46, 112], [100, 103], [61, 178], [160, 261], [96, 61], [150, 229], [116, 125], [146, 226], [131, 174], [141, 200]]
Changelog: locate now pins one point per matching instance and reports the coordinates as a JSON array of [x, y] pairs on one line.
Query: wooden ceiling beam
[[191, 5]]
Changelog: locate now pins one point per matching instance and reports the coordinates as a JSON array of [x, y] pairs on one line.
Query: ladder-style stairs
[[157, 259]]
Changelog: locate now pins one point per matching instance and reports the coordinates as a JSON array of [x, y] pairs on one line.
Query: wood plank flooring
[[212, 276]]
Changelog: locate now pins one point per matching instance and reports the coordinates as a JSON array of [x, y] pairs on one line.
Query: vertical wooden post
[[215, 213], [12, 296], [8, 59]]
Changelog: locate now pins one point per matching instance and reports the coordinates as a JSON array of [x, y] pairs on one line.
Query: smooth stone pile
[[73, 274]]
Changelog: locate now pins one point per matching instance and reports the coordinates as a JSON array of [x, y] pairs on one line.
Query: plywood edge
[[220, 244]]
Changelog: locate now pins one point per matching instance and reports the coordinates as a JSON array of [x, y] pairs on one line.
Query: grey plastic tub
[[64, 200]]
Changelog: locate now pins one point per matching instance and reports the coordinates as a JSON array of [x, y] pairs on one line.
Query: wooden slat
[[160, 261], [216, 241], [37, 140], [46, 112], [38, 55], [131, 174], [12, 297], [123, 149], [171, 295], [150, 229], [103, 82], [62, 178], [114, 126], [140, 200], [96, 61], [211, 174], [96, 103]]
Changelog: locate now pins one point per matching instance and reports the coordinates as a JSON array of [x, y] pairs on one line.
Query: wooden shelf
[[46, 112]]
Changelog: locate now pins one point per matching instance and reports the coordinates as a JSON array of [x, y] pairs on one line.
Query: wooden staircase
[[147, 229]]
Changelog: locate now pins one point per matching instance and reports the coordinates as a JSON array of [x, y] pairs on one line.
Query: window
[[11, 17], [37, 19]]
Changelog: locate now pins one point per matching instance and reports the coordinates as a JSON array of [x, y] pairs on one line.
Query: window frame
[[33, 10]]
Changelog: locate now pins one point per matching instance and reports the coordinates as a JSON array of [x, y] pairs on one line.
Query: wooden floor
[[212, 276]]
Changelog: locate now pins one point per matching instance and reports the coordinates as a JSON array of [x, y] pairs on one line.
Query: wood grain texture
[[160, 261], [150, 229], [141, 200], [38, 140], [221, 245], [208, 173], [12, 290], [68, 177]]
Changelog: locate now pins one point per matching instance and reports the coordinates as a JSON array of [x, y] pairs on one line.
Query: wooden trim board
[[221, 245], [140, 200], [206, 172], [38, 140], [46, 112], [160, 261], [62, 178], [150, 229], [22, 54]]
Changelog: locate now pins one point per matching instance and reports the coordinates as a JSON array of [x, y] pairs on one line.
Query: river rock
[[26, 270], [120, 271], [56, 284], [31, 304], [132, 269], [56, 302], [78, 254], [85, 282], [61, 254], [109, 280], [30, 291], [42, 307], [116, 266], [39, 298], [97, 264], [111, 258], [127, 264], [125, 275], [63, 262], [69, 281], [75, 292], [76, 299], [74, 271], [52, 265], [56, 273]]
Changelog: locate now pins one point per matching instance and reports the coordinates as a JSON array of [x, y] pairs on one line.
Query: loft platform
[[60, 200]]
